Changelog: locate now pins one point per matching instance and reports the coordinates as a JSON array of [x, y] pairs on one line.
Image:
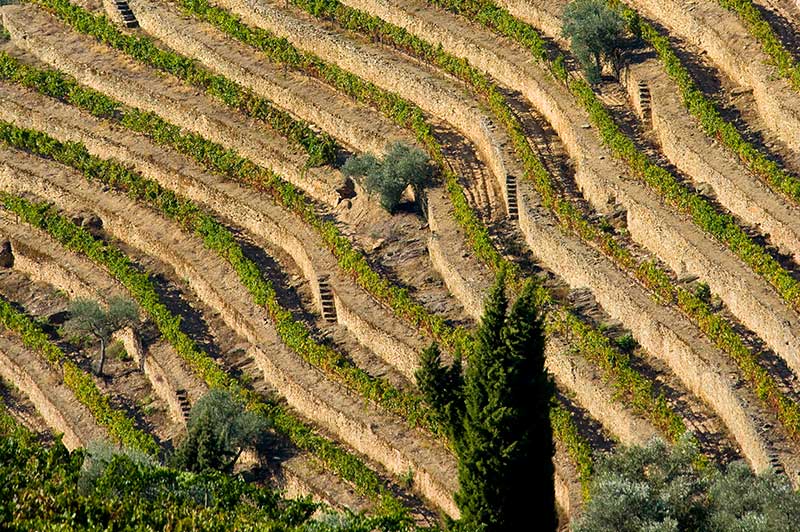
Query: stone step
[[183, 401], [326, 296], [511, 196]]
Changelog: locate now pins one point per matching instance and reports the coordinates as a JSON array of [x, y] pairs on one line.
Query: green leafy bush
[[219, 430], [402, 166], [657, 487], [88, 317]]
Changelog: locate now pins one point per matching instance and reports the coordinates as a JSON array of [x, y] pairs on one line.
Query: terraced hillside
[[188, 154]]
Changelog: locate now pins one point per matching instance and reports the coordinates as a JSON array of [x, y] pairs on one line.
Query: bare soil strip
[[354, 421], [126, 80]]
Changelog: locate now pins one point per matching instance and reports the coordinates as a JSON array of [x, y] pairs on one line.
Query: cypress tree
[[441, 386], [528, 464], [505, 443]]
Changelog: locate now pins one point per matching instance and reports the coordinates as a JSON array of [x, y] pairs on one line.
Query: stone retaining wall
[[354, 421], [694, 153], [30, 374], [465, 277], [115, 74], [371, 324], [662, 332]]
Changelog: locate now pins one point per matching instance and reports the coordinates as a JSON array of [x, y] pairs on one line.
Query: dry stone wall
[[721, 35], [575, 374], [466, 278], [707, 162], [663, 333], [113, 73], [371, 324], [690, 149]]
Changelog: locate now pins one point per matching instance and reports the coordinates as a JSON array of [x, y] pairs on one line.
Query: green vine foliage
[[708, 114], [81, 383], [221, 240], [143, 289], [760, 28], [321, 148]]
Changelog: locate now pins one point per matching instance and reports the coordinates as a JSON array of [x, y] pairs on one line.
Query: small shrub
[[627, 343], [595, 32], [401, 167], [703, 292]]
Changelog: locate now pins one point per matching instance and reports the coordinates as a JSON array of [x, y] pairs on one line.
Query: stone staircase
[[183, 400], [126, 14], [326, 297], [645, 103], [511, 196]]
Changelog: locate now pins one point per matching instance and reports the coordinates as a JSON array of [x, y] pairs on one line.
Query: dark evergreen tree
[[500, 415], [528, 462], [441, 386]]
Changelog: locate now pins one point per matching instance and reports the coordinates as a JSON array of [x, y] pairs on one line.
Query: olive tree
[[663, 488], [87, 317], [401, 166], [219, 430], [596, 32]]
